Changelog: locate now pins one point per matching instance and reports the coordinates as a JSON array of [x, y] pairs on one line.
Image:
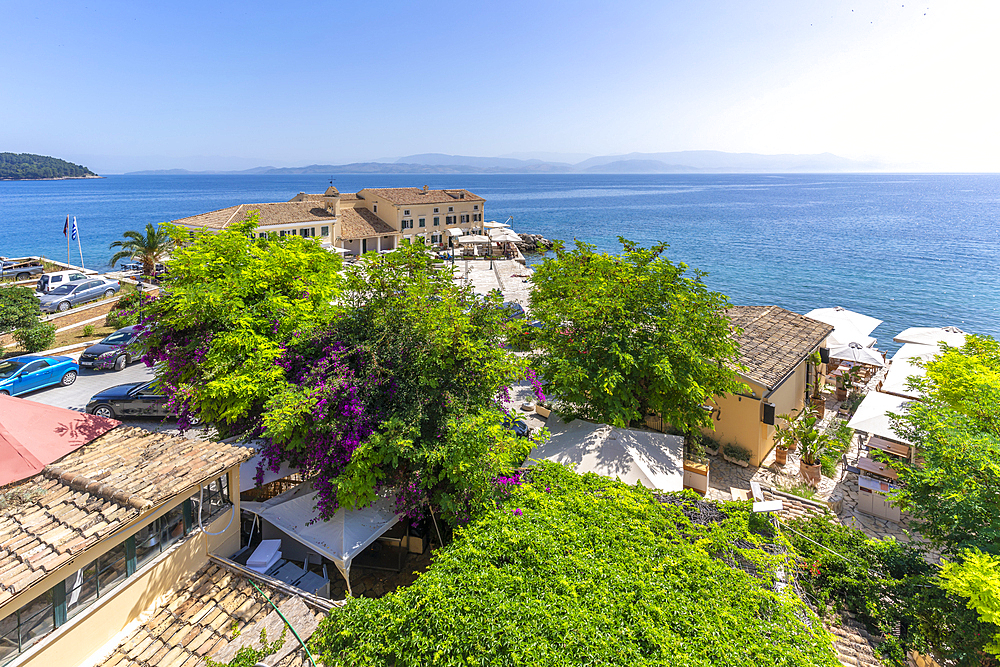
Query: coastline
[[57, 178]]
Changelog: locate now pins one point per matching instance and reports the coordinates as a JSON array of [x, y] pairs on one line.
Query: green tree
[[19, 308], [951, 491], [976, 578], [632, 335], [149, 248]]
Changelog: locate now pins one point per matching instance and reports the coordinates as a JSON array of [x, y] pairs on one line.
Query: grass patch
[[800, 490]]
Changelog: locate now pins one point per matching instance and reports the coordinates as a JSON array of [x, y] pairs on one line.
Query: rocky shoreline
[[533, 243]]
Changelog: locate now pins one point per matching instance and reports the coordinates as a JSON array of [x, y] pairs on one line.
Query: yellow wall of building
[[737, 420], [87, 634], [788, 399]]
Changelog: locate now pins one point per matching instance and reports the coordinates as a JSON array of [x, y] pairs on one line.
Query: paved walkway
[[506, 275]]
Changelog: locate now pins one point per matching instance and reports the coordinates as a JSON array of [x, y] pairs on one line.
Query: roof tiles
[[91, 492], [415, 196], [277, 213], [360, 223], [774, 341]]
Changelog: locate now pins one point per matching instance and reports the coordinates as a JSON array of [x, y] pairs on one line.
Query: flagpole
[[79, 246], [66, 234]]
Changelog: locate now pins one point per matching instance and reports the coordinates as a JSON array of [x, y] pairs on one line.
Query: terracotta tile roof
[[198, 621], [277, 213], [359, 223], [349, 196], [414, 196], [91, 492], [774, 341]]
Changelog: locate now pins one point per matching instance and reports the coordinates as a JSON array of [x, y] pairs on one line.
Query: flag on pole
[[74, 228], [66, 226]]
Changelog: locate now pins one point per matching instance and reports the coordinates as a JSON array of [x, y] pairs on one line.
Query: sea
[[909, 249]]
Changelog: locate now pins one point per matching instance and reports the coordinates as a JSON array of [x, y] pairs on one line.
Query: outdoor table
[[890, 447], [876, 468]]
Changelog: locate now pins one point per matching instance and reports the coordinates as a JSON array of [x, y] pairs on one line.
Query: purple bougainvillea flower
[[518, 512]]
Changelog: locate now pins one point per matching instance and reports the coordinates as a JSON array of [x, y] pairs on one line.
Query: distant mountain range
[[681, 162]]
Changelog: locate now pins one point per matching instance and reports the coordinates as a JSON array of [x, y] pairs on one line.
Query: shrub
[[126, 310], [579, 569], [836, 446], [736, 452], [19, 308], [37, 338], [88, 330]]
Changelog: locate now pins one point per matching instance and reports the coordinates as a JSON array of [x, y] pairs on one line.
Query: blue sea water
[[913, 250]]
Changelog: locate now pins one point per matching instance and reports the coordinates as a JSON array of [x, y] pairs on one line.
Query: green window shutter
[[188, 516], [130, 556], [59, 603]]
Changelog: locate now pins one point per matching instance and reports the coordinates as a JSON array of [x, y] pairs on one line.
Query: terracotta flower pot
[[780, 455], [810, 473], [820, 404]]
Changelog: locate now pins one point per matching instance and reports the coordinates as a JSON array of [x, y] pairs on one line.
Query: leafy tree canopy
[[383, 376], [581, 570], [631, 335], [951, 492], [977, 578]]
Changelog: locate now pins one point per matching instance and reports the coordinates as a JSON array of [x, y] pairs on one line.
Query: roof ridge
[[95, 488]]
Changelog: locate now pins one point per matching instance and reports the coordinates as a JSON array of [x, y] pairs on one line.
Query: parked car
[[512, 310], [518, 426], [19, 375], [62, 298], [20, 268], [115, 351], [49, 281], [133, 399]]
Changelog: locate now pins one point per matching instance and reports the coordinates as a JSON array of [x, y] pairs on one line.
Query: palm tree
[[150, 249]]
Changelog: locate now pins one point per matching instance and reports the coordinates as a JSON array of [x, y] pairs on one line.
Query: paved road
[[89, 382]]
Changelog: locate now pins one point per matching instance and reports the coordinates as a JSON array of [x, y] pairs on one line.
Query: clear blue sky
[[133, 85]]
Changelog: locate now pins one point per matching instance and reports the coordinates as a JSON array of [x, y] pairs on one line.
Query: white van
[[50, 281]]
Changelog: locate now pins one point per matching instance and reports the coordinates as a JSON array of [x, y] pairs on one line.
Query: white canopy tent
[[341, 538], [474, 238], [872, 415], [654, 459], [932, 336]]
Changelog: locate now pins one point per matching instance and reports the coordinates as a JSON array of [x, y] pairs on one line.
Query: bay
[[913, 249]]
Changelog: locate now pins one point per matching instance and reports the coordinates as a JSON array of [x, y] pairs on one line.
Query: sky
[[122, 86]]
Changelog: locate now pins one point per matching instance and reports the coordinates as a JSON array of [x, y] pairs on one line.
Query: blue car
[[19, 375]]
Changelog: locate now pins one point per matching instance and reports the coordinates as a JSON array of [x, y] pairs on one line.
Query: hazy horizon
[[126, 87]]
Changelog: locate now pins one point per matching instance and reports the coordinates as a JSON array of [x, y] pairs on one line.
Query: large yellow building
[[374, 219]]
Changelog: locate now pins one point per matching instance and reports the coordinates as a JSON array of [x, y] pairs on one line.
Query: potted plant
[[736, 455], [817, 400], [813, 445], [711, 445], [543, 409], [781, 454]]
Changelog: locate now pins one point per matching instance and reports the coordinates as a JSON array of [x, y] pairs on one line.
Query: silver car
[[65, 296]]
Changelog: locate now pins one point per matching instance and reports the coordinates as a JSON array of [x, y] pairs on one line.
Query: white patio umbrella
[[493, 224], [473, 238], [858, 353], [872, 415], [504, 236], [838, 316], [845, 334], [932, 335]]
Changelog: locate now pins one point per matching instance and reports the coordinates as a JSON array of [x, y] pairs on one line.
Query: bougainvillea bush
[[581, 570], [385, 374]]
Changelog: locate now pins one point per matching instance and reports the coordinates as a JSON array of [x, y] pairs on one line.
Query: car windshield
[[119, 338], [62, 289], [150, 387], [8, 368]]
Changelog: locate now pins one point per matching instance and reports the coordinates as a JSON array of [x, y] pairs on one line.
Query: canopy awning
[[654, 459], [872, 415], [33, 435], [474, 238], [493, 224], [341, 538], [455, 232]]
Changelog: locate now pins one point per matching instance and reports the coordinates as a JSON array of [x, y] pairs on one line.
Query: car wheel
[[64, 306], [109, 293], [69, 378], [194, 421], [104, 411], [120, 363], [4, 392], [23, 276]]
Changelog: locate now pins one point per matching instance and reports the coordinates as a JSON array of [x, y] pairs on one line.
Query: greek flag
[[74, 228]]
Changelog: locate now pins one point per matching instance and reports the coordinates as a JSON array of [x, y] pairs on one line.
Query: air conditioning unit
[[768, 414]]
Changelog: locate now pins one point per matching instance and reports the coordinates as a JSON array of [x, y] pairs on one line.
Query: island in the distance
[[29, 167]]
